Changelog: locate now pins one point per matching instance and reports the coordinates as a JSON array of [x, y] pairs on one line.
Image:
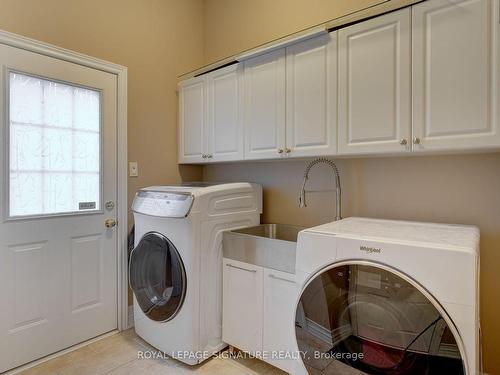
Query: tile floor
[[118, 355]]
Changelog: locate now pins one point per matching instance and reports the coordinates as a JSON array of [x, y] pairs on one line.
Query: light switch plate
[[133, 169]]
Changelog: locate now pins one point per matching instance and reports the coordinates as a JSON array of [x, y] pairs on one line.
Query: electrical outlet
[[133, 169]]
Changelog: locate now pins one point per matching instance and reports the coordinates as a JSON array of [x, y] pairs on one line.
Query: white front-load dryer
[[388, 297], [175, 268]]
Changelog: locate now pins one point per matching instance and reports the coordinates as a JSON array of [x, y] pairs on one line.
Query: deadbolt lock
[[109, 205]]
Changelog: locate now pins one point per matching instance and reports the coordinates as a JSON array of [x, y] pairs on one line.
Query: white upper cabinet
[[374, 85], [423, 78], [225, 114], [455, 75], [192, 119], [311, 97], [211, 117], [264, 119]]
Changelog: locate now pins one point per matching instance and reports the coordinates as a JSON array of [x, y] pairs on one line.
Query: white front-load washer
[[175, 269], [388, 297]]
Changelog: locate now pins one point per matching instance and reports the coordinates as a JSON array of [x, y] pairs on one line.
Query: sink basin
[[267, 245], [273, 231]]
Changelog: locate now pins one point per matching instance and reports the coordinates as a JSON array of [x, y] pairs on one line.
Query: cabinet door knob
[[280, 151], [210, 156], [403, 142], [288, 150], [416, 141], [204, 156]]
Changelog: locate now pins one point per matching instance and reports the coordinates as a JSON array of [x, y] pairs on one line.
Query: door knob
[[110, 223]]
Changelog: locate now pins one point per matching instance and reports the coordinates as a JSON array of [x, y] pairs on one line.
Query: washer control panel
[[163, 204]]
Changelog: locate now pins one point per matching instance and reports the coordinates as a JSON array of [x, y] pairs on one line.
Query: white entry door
[[58, 173]]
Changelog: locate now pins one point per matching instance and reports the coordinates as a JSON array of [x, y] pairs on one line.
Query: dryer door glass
[[157, 277], [366, 319]]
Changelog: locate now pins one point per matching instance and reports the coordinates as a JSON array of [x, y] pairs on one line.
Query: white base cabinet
[[259, 311], [242, 305], [278, 333]]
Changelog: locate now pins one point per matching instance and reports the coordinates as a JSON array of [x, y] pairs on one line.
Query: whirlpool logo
[[370, 250]]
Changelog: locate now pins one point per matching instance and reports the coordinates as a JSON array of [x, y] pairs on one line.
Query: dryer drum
[[364, 316], [157, 277]]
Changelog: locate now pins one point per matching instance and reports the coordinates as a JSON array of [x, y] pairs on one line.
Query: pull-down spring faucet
[[338, 191]]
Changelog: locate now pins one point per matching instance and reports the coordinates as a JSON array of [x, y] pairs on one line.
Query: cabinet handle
[[403, 142], [204, 156], [416, 141], [280, 151], [288, 150], [240, 268], [210, 156], [281, 278]]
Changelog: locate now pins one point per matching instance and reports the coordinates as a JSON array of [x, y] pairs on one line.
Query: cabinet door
[[280, 298], [311, 97], [225, 124], [374, 79], [192, 119], [455, 74], [264, 79], [242, 305]]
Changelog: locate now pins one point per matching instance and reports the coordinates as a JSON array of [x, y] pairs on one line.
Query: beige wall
[[450, 189], [232, 26], [147, 36]]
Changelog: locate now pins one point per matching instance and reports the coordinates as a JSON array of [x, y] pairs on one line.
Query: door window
[[370, 319], [54, 147], [157, 277]]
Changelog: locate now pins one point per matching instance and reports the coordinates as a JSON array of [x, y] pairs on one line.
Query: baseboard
[[318, 331], [130, 322], [331, 337]]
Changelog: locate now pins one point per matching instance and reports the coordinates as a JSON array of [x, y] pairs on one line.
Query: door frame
[[28, 44]]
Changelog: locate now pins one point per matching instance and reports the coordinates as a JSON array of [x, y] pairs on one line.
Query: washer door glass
[[157, 277], [359, 318]]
